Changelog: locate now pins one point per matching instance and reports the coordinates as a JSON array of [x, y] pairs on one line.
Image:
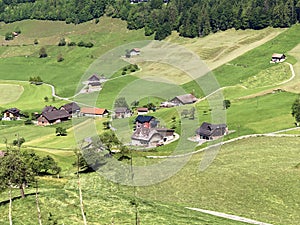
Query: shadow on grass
[[15, 198]]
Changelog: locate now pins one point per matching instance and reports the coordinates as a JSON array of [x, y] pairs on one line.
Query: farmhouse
[[49, 108], [210, 131], [184, 99], [12, 114], [142, 111], [53, 117], [168, 134], [145, 121], [122, 112], [93, 112], [71, 108], [276, 58], [146, 137]]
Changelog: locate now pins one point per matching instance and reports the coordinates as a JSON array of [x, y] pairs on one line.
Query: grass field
[[256, 178], [10, 93]]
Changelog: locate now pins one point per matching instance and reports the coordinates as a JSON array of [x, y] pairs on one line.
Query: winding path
[[229, 216]]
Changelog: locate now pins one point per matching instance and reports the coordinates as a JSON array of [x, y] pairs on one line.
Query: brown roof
[[95, 111], [144, 134], [48, 108], [142, 109], [56, 115]]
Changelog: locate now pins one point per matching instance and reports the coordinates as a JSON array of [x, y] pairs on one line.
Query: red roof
[[95, 111], [142, 109]]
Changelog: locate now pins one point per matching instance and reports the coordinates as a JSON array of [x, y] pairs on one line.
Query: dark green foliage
[[72, 43], [85, 44], [191, 18], [226, 104], [60, 131], [9, 36], [28, 122], [46, 99], [296, 110], [35, 41], [62, 42], [18, 142]]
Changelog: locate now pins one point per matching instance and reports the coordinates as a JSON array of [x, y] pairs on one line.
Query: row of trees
[[191, 18]]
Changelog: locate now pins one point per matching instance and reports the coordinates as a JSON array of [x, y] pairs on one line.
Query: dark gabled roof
[[122, 110], [143, 119], [56, 115], [48, 108], [94, 78], [186, 99], [95, 83], [13, 111], [71, 107], [207, 129]]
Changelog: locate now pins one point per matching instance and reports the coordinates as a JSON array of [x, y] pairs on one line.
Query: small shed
[[276, 57]]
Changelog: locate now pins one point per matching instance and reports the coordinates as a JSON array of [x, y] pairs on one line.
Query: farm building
[[12, 114], [210, 131], [168, 134], [122, 112], [71, 108], [93, 112], [184, 99], [53, 117], [146, 121], [147, 137], [277, 58], [142, 111], [49, 108]]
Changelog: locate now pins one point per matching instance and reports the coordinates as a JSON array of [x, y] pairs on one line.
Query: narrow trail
[[229, 216]]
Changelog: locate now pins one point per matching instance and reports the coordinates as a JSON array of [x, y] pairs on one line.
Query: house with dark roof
[[210, 131], [48, 108], [184, 99], [53, 117], [94, 78], [71, 108], [93, 112], [12, 114], [122, 112], [146, 121]]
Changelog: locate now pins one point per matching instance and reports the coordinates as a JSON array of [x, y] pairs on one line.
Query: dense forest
[[191, 18]]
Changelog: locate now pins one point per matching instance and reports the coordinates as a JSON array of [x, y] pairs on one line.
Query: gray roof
[[144, 134], [186, 99], [208, 129]]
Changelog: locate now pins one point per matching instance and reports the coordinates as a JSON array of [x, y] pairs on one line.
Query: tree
[[226, 104], [62, 42], [296, 110], [35, 42], [60, 58], [60, 131], [121, 102], [9, 36], [14, 171], [43, 53], [106, 125], [18, 142], [46, 99]]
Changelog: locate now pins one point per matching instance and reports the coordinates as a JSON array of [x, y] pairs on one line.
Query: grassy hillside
[[23, 56], [256, 178]]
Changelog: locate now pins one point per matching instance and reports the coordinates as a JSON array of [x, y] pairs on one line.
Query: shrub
[[72, 43], [62, 42]]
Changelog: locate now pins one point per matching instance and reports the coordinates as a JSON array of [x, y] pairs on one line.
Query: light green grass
[[254, 178], [32, 98], [10, 93]]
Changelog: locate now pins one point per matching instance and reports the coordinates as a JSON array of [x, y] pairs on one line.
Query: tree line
[[191, 18]]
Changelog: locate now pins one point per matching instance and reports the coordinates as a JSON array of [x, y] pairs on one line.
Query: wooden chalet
[[53, 117], [210, 131], [142, 111], [12, 114], [71, 108], [93, 112], [184, 99], [122, 112]]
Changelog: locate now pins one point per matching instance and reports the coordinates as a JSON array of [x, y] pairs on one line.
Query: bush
[[9, 36], [72, 43], [62, 42], [43, 53], [35, 41], [60, 58]]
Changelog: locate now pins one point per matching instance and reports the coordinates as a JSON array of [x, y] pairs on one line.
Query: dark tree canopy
[[191, 18]]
